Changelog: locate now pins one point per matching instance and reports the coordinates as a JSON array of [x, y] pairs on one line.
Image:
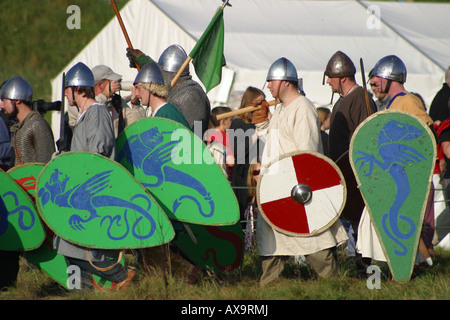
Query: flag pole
[[122, 26], [366, 94], [189, 58]]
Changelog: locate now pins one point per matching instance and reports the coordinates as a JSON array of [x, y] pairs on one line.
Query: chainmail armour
[[33, 140], [190, 98]]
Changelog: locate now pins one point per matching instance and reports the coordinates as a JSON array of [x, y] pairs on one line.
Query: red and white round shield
[[301, 194]]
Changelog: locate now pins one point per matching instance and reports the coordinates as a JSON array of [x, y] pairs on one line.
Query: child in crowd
[[252, 211], [218, 140]]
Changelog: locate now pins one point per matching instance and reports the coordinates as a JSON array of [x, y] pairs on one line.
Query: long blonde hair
[[249, 95], [251, 183]]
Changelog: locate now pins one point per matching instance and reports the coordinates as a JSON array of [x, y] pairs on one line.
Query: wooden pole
[[180, 71], [366, 94], [245, 110], [122, 26], [61, 115], [189, 58]]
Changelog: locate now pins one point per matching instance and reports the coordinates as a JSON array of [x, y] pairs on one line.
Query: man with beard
[[32, 141], [347, 114], [350, 110], [32, 136]]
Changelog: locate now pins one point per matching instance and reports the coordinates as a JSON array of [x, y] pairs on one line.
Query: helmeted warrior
[[187, 95], [33, 138], [293, 126], [94, 133], [153, 92], [32, 141], [388, 76], [348, 112]]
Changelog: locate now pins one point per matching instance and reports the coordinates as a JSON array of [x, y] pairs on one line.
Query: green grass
[[36, 43], [298, 282]]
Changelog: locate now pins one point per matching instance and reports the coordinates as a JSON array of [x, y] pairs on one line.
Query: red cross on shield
[[301, 194]]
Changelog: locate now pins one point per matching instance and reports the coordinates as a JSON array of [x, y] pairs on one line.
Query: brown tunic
[[347, 114]]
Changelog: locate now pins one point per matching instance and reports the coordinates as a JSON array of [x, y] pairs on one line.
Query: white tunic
[[294, 127]]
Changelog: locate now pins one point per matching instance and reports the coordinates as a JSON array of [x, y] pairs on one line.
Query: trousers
[[323, 263]]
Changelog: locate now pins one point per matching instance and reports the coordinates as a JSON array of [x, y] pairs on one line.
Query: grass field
[[36, 42], [298, 282]]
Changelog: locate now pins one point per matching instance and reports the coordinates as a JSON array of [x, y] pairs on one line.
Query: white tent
[[257, 32]]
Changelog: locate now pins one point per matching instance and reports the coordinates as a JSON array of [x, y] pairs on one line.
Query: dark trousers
[[9, 268]]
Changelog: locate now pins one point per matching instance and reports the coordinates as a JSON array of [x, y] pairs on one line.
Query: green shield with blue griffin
[[94, 202], [393, 154], [179, 171], [20, 226], [45, 257]]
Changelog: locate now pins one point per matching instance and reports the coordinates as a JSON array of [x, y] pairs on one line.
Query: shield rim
[[314, 232]]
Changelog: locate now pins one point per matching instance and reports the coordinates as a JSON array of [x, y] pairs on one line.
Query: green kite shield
[[213, 248], [45, 257], [94, 202], [393, 155], [178, 170], [20, 226]]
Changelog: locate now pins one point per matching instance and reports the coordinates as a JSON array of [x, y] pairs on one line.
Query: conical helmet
[[17, 88], [173, 58], [150, 73], [391, 68], [80, 76], [282, 69], [340, 65]]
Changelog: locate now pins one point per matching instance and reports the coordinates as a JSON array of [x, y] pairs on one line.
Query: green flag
[[207, 55]]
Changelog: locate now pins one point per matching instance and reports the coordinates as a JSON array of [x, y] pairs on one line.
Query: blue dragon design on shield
[[87, 197], [395, 155], [148, 153], [21, 210]]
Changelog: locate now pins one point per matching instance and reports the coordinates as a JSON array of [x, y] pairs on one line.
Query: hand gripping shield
[[301, 194]]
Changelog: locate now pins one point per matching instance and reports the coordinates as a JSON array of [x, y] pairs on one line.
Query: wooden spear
[[366, 93], [122, 26], [245, 110]]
